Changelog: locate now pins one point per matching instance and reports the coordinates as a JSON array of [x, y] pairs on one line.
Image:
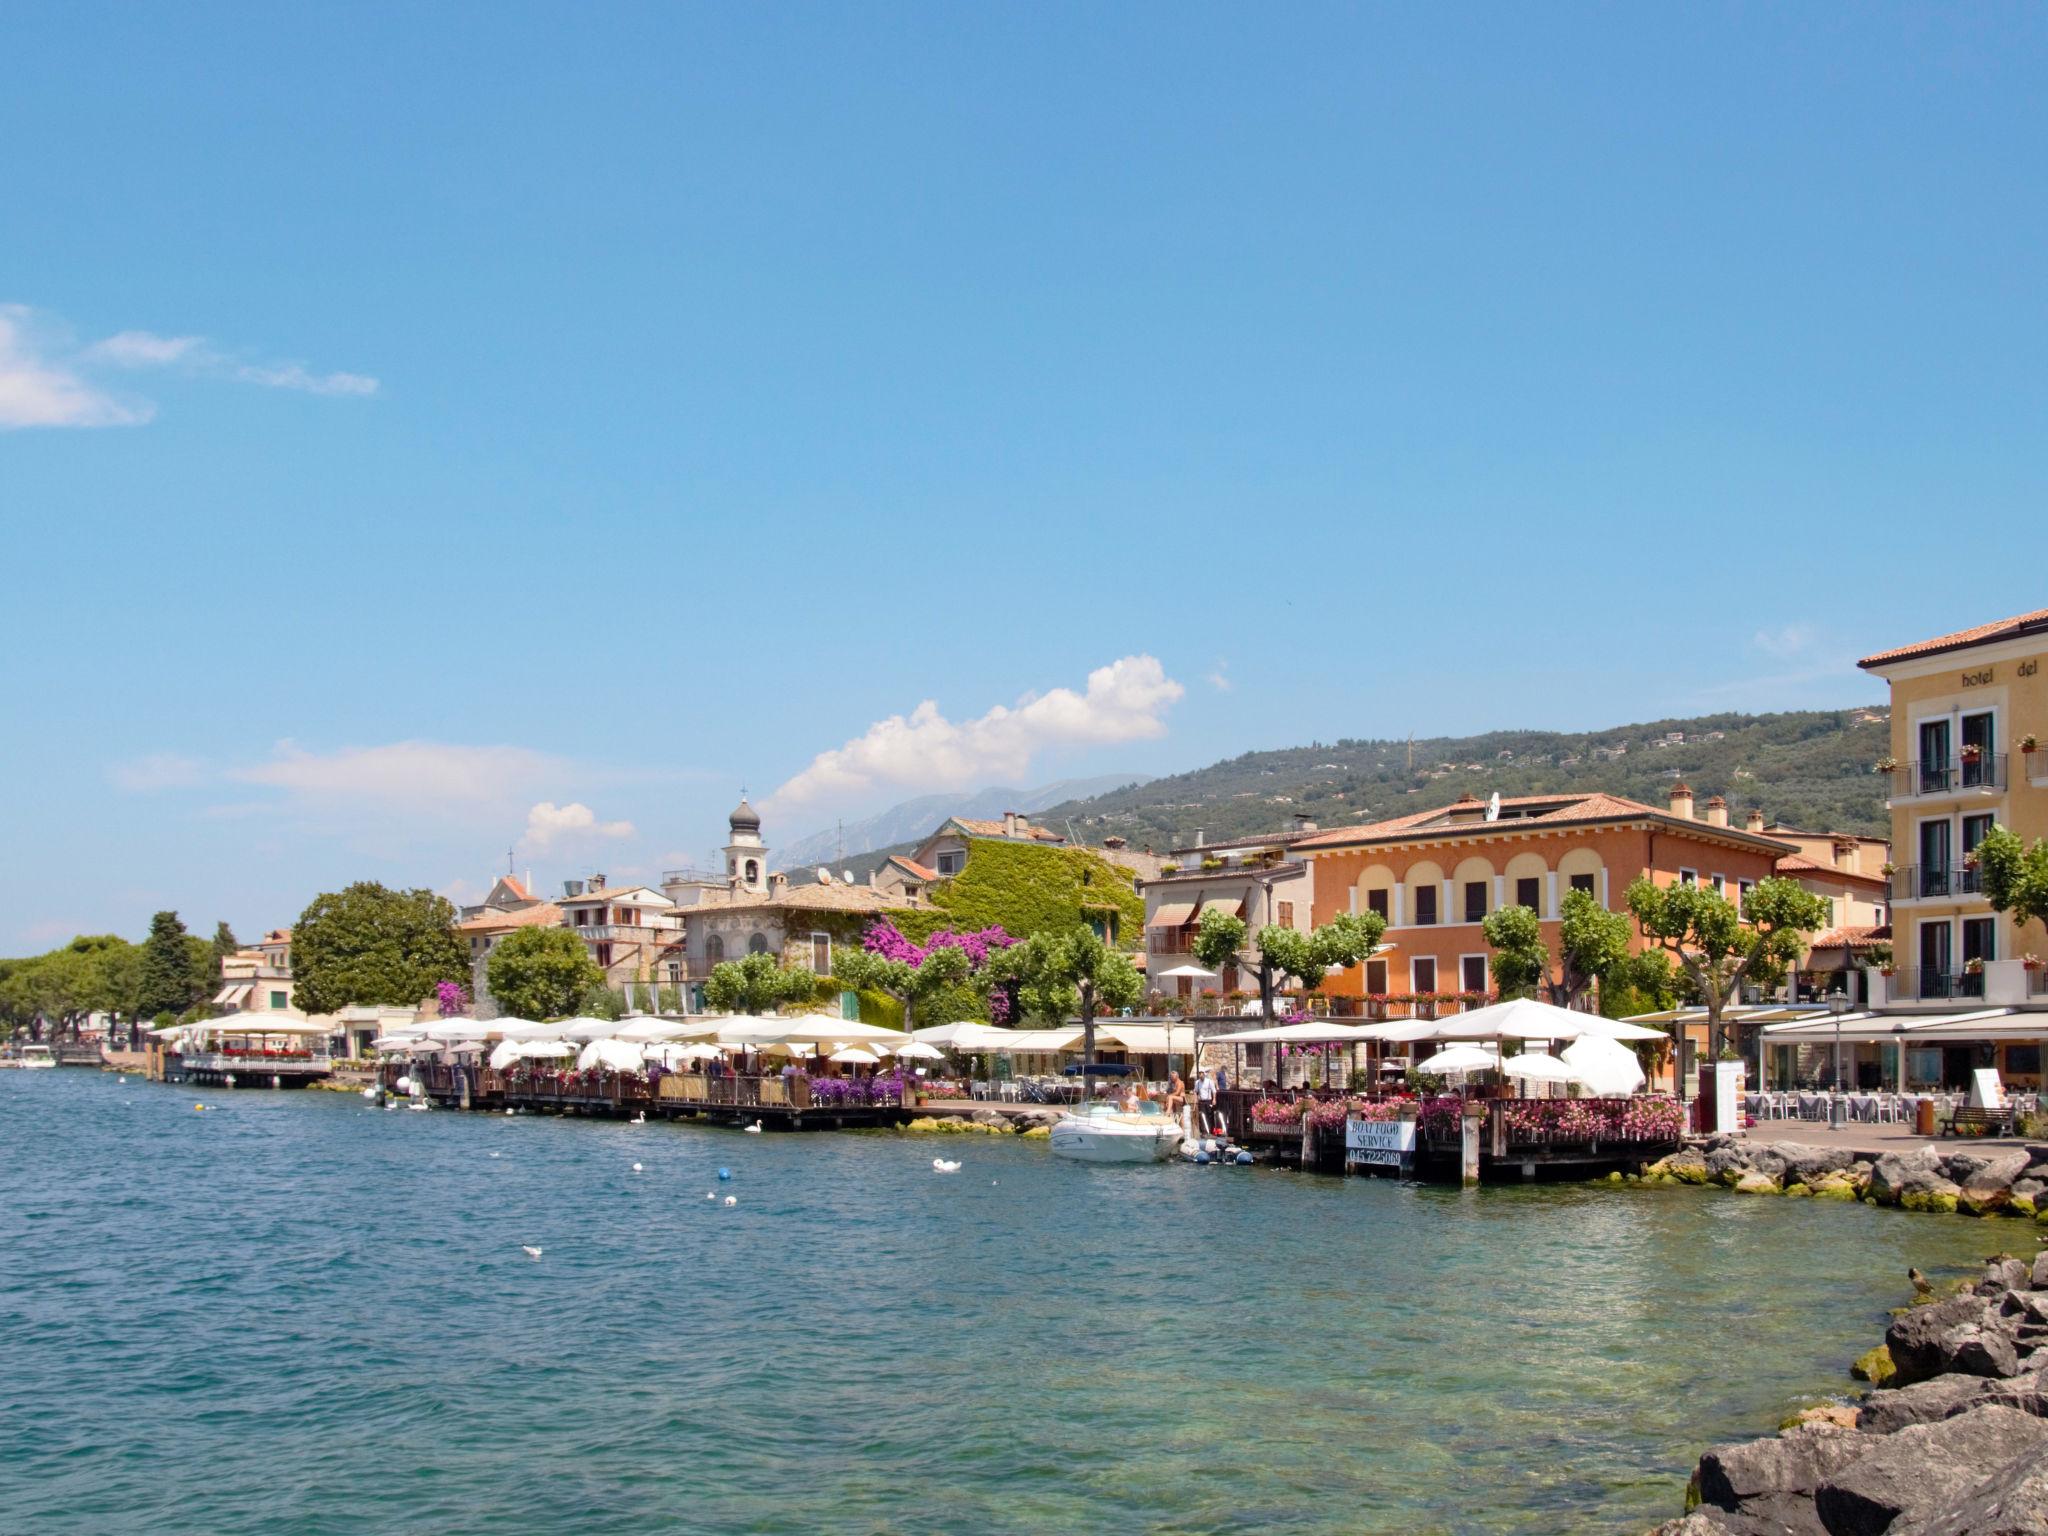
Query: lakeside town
[[1705, 968]]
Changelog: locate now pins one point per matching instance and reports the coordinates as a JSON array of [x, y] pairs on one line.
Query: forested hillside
[[1810, 769]]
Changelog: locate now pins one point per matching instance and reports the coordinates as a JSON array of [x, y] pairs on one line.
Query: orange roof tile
[[1962, 639], [545, 915], [1851, 937], [1799, 864], [914, 867], [979, 827], [1563, 810]]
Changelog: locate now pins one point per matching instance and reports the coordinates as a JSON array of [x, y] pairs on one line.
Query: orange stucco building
[[1435, 875]]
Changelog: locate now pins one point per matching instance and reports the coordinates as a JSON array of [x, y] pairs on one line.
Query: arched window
[[753, 870], [714, 948], [758, 944]]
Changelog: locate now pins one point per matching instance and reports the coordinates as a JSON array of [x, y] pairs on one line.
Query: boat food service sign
[[1379, 1142]]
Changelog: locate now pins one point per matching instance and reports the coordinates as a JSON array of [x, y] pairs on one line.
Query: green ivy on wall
[[1027, 888]]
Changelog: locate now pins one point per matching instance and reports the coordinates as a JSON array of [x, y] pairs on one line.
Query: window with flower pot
[[1422, 973], [1472, 973]]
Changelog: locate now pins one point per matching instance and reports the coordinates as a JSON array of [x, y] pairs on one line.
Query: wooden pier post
[[1468, 1143]]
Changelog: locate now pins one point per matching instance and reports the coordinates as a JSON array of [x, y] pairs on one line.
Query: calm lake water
[[296, 1314]]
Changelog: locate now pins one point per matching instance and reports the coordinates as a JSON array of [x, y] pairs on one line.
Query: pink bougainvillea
[[887, 940], [451, 997]]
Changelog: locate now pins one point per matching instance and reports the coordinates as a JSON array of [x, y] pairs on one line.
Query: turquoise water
[[297, 1314]]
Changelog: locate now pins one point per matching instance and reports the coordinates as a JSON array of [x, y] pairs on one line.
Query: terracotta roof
[[1851, 937], [1558, 810], [977, 827], [1962, 639], [836, 897], [512, 884], [913, 867], [545, 915], [614, 892], [1799, 864]]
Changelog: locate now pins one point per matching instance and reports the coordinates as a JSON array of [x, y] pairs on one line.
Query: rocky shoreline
[[1982, 1180], [1952, 1442]]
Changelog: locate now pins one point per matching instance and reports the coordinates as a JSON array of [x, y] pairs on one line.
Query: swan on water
[[529, 1250], [732, 1199], [943, 1166], [639, 1119], [754, 1129]]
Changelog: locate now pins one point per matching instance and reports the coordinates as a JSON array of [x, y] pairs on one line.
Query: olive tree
[[1344, 940], [1718, 946]]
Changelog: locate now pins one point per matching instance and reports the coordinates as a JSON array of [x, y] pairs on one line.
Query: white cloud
[[47, 384], [159, 770], [1124, 701], [294, 376], [1785, 642], [37, 390], [142, 349], [548, 821], [1220, 678], [411, 773]]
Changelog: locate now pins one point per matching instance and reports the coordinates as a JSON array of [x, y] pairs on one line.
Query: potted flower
[[1970, 859], [1972, 753], [2031, 961], [1169, 868], [1886, 764], [1887, 969], [2028, 743], [1212, 863], [1974, 966]]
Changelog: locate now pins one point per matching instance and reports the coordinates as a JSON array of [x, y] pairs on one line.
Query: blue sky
[[435, 429]]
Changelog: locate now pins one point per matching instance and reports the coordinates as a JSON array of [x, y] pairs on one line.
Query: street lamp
[[1838, 1108]]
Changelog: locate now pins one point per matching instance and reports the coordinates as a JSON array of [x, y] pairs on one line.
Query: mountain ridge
[[911, 821]]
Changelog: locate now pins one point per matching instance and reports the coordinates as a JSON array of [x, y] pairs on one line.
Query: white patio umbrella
[[1460, 1058], [618, 1055], [1609, 1067], [858, 1055], [653, 1027], [504, 1054], [1536, 1067], [917, 1050], [528, 1029], [1191, 972], [671, 1055], [1598, 1028], [545, 1050], [583, 1029], [969, 1035]]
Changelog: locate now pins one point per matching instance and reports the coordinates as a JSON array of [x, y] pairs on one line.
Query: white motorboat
[[1104, 1133], [31, 1056]]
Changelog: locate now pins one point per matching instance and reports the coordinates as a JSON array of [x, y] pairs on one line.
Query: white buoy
[[529, 1250], [636, 1168], [710, 1194], [508, 1111], [732, 1199], [370, 1094], [943, 1166]]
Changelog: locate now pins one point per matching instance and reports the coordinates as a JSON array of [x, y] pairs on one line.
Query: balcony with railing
[[1928, 985], [1935, 882], [1983, 773]]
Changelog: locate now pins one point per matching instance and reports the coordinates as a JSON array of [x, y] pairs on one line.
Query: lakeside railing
[[1512, 1123]]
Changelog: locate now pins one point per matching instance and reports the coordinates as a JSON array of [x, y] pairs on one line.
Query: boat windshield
[[1145, 1107]]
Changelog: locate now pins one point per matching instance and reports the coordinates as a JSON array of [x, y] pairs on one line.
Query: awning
[[1913, 1029], [1325, 1033], [1172, 914], [234, 994], [1036, 1040], [1232, 906], [1147, 1039]]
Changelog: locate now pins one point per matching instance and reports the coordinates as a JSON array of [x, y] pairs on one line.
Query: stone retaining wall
[[1984, 1180]]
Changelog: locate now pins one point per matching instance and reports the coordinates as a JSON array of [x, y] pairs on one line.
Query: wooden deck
[[777, 1103]]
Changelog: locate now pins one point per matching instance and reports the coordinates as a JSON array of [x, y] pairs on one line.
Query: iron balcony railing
[[1985, 773], [1922, 881], [1929, 985]]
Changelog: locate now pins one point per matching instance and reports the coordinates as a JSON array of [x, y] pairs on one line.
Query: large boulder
[[2040, 1277], [2002, 1275], [1698, 1523], [1924, 1471], [1797, 1163], [1754, 1182], [1767, 1486], [1687, 1164], [2013, 1501], [1961, 1334], [1898, 1174], [1929, 1402], [1985, 1178], [1726, 1165]]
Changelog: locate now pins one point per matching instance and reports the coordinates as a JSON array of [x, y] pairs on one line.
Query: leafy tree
[[1344, 940], [1717, 946], [371, 945], [541, 973], [1592, 943], [170, 982], [757, 983], [2013, 876], [1072, 972], [940, 971]]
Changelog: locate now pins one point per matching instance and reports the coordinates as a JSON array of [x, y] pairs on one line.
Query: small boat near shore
[[1106, 1134], [30, 1057]]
